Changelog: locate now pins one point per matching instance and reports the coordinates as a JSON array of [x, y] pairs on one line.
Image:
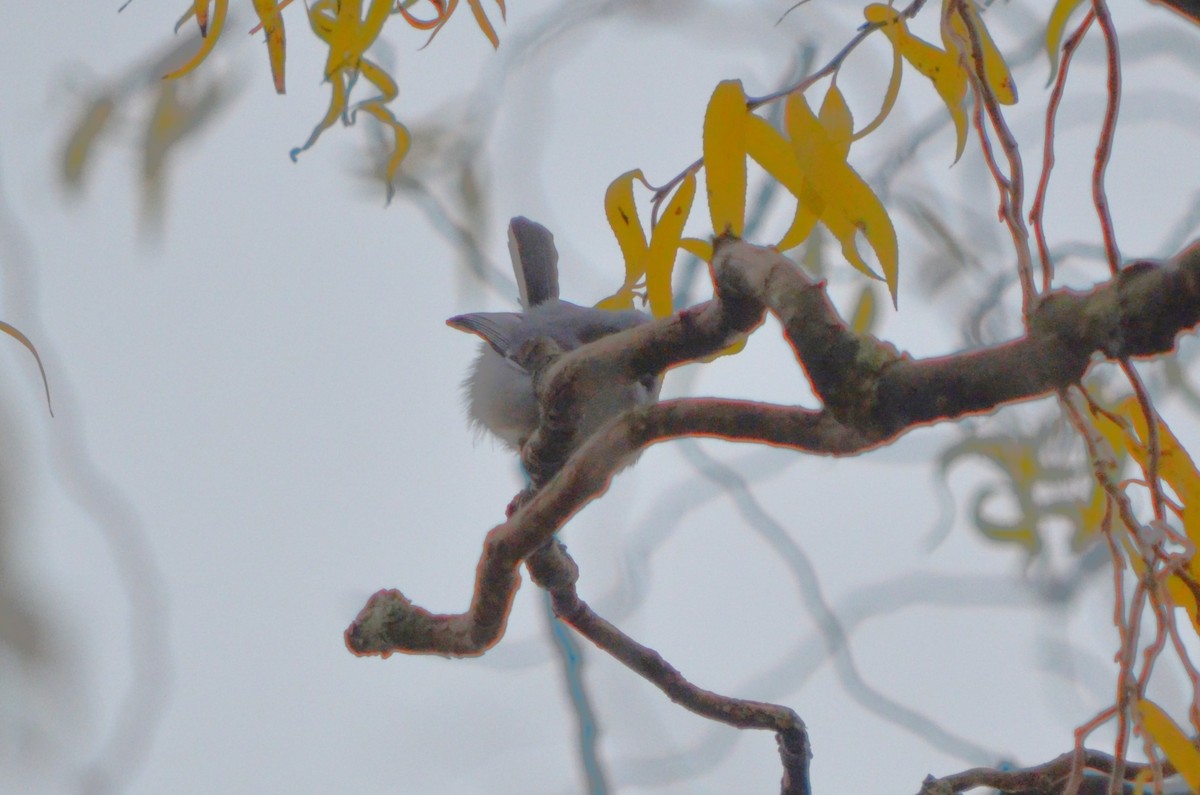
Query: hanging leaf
[[848, 206], [995, 70], [1175, 744], [664, 243], [210, 37], [1176, 467], [621, 212], [1055, 29], [16, 334], [348, 35], [893, 89], [482, 21], [941, 67], [725, 157], [775, 154], [271, 21], [401, 142]]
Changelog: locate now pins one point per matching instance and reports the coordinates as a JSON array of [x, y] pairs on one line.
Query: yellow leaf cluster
[[1125, 428], [810, 161], [947, 68], [649, 263], [341, 26]]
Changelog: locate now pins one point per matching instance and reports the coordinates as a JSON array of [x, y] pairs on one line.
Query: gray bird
[[499, 392]]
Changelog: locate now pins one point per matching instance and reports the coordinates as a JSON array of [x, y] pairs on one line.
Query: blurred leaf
[[175, 116], [1020, 464], [81, 143], [401, 142], [863, 318], [200, 10], [725, 157]]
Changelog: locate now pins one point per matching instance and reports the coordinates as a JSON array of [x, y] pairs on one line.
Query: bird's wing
[[496, 328]]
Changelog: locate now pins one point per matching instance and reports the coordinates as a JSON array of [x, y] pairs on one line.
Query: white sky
[[258, 425]]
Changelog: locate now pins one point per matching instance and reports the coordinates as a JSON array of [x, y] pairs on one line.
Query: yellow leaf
[[664, 243], [16, 334], [210, 39], [402, 140], [773, 152], [200, 9], [872, 13], [377, 76], [1175, 744], [838, 123], [1054, 31], [995, 70], [271, 22], [484, 25], [621, 212], [848, 205], [620, 300], [340, 24], [941, 67], [1176, 467], [337, 103], [700, 249], [725, 157]]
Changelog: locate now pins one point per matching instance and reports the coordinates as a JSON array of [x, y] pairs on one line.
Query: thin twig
[[1036, 213], [1107, 133], [1012, 190]]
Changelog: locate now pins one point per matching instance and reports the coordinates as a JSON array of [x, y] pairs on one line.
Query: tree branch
[[1048, 778], [872, 394]]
